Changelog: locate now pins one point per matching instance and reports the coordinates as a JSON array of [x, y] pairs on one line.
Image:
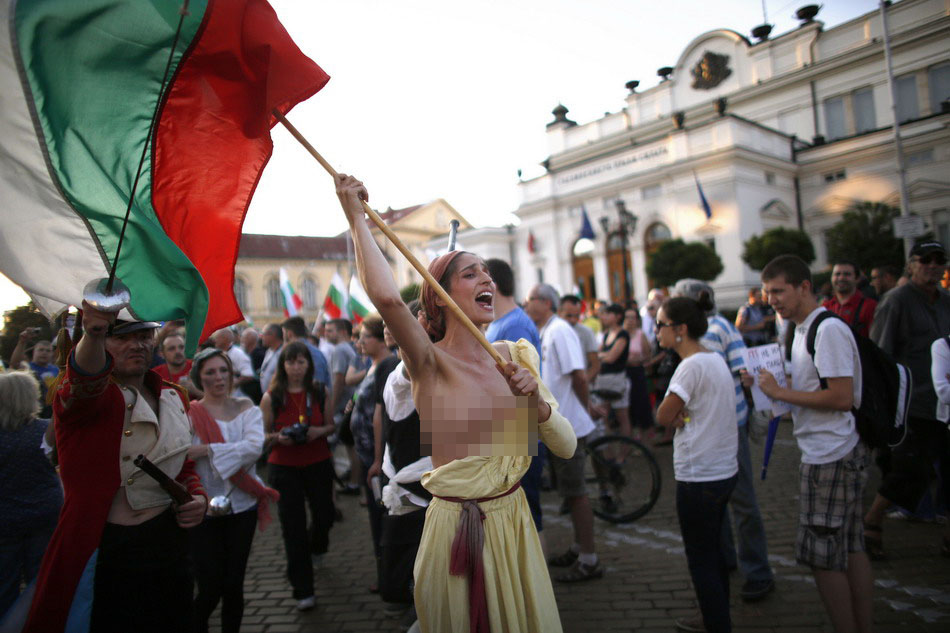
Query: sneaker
[[566, 559], [395, 609], [755, 590], [580, 572], [691, 624], [306, 604]]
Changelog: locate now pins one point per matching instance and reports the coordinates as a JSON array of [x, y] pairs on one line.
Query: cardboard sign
[[769, 358]]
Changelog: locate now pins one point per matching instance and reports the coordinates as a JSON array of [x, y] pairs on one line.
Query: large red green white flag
[[79, 82], [335, 303]]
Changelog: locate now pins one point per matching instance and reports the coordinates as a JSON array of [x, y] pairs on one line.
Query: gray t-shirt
[[343, 354], [588, 339]]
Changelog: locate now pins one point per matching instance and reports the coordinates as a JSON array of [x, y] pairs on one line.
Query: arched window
[[583, 247], [275, 300], [240, 293], [656, 234], [308, 292]]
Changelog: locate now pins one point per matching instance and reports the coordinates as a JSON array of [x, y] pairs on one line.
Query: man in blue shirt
[[295, 329], [511, 324]]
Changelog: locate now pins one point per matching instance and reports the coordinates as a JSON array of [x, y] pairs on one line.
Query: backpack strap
[[812, 335]]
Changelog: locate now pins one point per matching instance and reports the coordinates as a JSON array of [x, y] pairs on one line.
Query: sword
[[453, 234]]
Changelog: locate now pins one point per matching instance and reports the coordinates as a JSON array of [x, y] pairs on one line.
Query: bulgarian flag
[[292, 302], [335, 304], [360, 305], [79, 84]]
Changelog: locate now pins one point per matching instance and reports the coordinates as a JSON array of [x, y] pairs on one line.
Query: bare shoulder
[[243, 404]]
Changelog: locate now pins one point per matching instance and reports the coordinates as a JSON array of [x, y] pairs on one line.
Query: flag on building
[[79, 85], [360, 305], [702, 198], [587, 231], [292, 302], [335, 303], [532, 246]]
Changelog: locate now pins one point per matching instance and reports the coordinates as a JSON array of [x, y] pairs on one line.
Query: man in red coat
[[118, 559]]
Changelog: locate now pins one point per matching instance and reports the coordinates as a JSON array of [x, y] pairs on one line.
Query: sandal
[[874, 545]]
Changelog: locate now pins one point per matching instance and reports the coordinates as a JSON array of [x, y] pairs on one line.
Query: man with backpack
[[847, 301], [824, 389], [907, 322]]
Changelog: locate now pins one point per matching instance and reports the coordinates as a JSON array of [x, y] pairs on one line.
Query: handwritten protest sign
[[768, 357]]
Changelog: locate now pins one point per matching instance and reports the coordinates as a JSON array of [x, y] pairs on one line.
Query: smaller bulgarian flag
[[360, 305], [292, 302], [335, 304]]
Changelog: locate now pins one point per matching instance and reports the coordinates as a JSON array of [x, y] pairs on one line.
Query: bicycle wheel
[[623, 478]]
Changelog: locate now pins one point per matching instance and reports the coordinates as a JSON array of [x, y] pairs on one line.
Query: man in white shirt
[[563, 368], [224, 339], [834, 460]]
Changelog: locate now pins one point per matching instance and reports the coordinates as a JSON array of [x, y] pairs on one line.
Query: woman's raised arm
[[376, 277]]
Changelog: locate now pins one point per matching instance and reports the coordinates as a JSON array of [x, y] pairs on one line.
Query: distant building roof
[[292, 247], [391, 215]]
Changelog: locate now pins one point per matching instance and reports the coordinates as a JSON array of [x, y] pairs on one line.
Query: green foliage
[[17, 320], [675, 260], [759, 250], [865, 236], [410, 292]]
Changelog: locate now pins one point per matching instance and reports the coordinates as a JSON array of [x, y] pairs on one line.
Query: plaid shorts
[[830, 521]]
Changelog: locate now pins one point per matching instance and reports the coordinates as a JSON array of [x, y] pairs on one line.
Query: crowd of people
[[254, 420]]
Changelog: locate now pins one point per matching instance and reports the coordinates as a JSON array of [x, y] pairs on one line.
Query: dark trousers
[[912, 463], [300, 486], [220, 547], [400, 544], [376, 512], [143, 578], [701, 507]]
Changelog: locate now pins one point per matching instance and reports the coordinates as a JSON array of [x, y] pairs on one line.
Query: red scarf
[[210, 433]]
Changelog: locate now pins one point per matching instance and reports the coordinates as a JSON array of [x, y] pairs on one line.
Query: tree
[[865, 236], [759, 250], [17, 320], [675, 260], [410, 292]]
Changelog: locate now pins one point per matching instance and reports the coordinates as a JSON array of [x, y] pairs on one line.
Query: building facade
[[311, 262], [784, 131]]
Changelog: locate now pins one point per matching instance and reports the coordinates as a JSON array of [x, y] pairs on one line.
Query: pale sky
[[449, 98]]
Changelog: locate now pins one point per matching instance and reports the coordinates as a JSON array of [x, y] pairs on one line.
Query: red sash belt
[[467, 556]]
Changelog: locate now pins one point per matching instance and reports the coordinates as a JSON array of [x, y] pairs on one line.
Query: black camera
[[297, 433]]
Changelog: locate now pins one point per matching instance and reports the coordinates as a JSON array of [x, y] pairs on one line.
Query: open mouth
[[484, 299]]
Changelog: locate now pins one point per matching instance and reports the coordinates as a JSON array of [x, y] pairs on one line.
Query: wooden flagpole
[[378, 221]]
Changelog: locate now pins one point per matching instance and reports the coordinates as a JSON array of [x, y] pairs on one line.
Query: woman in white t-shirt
[[700, 405]]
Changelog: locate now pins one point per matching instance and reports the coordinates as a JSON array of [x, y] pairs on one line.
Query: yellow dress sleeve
[[557, 432]]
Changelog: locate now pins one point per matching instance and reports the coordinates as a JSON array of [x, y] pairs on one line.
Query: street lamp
[[628, 225]]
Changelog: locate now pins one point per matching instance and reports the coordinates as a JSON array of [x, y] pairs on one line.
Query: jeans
[[701, 508], [753, 559], [300, 486], [220, 547], [20, 558]]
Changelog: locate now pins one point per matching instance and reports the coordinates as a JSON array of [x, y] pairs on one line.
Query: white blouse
[[242, 446]]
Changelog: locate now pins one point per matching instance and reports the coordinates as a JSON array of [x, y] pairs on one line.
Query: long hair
[[19, 399], [279, 385], [441, 268]]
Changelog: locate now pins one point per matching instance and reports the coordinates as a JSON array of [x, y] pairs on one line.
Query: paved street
[[646, 585]]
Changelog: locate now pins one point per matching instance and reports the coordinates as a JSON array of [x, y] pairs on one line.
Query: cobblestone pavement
[[646, 584]]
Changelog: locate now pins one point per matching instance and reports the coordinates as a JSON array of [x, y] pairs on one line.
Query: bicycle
[[622, 474]]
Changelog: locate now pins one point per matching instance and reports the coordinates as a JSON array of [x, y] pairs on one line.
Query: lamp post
[[628, 226]]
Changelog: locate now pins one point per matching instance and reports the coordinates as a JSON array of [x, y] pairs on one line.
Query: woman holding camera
[[301, 468], [228, 439]]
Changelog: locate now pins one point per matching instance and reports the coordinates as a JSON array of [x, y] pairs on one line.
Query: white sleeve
[[685, 381], [570, 356], [835, 350], [940, 367], [229, 457], [241, 362]]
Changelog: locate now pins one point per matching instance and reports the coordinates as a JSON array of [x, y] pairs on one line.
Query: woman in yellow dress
[[479, 566]]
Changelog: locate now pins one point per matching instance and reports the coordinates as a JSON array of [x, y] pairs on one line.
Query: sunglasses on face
[[660, 325], [935, 258]]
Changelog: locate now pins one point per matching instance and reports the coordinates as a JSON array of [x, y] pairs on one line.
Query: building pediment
[[921, 190], [775, 209]]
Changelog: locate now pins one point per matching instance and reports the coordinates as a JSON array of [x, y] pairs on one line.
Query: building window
[[907, 108], [834, 118], [240, 293], [834, 176], [308, 293], [941, 224], [770, 178], [863, 103], [939, 79], [275, 300], [652, 191]]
